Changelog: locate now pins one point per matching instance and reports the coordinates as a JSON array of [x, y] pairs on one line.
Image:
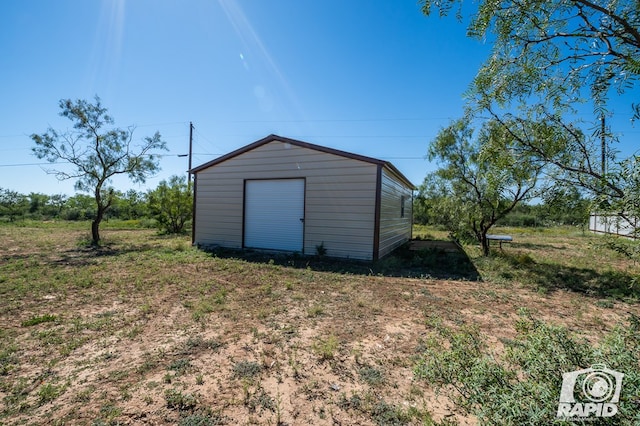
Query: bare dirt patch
[[151, 331]]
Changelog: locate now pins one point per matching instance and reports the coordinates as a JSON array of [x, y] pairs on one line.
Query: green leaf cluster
[[171, 204], [523, 385]]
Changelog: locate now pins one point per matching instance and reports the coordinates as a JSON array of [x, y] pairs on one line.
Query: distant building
[[614, 225], [283, 194]]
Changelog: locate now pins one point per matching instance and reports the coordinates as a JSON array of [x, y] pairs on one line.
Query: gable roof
[[273, 138]]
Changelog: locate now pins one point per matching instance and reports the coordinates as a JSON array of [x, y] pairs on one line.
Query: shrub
[[326, 348], [371, 375], [246, 369], [205, 417], [171, 205], [49, 392], [524, 386], [321, 250], [35, 320], [176, 400]]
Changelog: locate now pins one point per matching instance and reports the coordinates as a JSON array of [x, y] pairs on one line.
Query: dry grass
[[147, 330]]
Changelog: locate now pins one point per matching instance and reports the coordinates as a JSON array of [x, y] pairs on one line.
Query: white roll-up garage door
[[274, 214]]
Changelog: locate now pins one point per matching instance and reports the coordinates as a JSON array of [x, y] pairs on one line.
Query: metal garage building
[[283, 194]]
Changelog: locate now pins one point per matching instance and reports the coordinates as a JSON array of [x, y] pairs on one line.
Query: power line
[[205, 138], [197, 142], [15, 149], [168, 123], [333, 120], [404, 158], [13, 136], [67, 162], [33, 164]]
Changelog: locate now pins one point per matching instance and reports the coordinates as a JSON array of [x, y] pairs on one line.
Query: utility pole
[[190, 155], [603, 141]]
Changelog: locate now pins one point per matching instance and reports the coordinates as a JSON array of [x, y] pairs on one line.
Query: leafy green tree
[[13, 204], [171, 204], [57, 203], [565, 206], [37, 203], [482, 178], [128, 205], [438, 206], [133, 205], [549, 59], [527, 215], [423, 205], [79, 207], [98, 151], [421, 209]]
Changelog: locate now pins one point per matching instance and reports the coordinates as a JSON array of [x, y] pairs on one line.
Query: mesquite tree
[[481, 177], [98, 151], [550, 60]]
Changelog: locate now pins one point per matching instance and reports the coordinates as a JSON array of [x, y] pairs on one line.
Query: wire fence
[[610, 224]]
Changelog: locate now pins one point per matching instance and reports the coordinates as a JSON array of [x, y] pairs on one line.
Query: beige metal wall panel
[[395, 224], [339, 199]]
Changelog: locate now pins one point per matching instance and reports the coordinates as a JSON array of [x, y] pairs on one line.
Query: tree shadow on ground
[[78, 256], [90, 254], [550, 277], [537, 246], [403, 262]]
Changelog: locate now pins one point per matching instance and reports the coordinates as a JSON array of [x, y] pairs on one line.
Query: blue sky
[[371, 77]]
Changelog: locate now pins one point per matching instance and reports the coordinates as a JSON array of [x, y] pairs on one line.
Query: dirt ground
[[152, 331]]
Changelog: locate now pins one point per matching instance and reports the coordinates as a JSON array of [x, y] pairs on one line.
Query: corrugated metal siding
[[394, 229], [339, 205]]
